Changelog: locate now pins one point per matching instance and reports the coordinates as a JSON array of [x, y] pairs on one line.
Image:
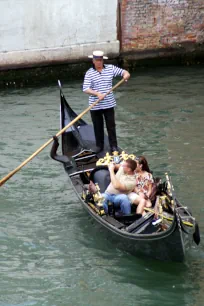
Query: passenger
[[144, 180], [122, 183]]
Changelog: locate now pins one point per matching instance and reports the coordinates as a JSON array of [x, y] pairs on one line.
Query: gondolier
[[97, 82]]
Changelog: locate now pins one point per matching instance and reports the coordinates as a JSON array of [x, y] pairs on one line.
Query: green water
[[50, 252]]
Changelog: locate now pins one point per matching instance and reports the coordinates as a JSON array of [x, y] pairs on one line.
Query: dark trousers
[[98, 117]]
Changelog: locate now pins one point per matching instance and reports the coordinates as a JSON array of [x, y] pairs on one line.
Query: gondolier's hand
[[126, 75], [100, 96]]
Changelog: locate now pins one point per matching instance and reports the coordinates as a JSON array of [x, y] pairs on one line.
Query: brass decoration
[[116, 158], [98, 198], [98, 201], [170, 189]]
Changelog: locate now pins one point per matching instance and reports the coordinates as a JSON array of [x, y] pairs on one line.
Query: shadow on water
[[167, 282]]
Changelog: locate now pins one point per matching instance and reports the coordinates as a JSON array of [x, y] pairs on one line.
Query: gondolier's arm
[[95, 93]]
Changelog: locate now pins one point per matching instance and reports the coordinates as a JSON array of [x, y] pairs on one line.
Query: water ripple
[[51, 253]]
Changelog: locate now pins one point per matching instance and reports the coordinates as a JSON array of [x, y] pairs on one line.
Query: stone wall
[[42, 32], [161, 25]]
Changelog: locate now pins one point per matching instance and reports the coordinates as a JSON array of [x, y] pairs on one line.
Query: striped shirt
[[101, 82]]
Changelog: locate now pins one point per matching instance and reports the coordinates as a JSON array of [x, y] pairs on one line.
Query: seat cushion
[[101, 176]]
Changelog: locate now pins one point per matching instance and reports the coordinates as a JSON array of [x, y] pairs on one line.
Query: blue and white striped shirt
[[101, 82]]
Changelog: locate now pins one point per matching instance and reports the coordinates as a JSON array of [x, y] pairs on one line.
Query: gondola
[[167, 238]]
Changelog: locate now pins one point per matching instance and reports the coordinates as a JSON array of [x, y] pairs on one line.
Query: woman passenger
[[144, 180]]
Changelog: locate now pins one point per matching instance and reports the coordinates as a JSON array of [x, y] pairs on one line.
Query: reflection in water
[[52, 253]]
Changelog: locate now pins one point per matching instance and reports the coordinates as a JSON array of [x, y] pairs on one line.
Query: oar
[[8, 176]]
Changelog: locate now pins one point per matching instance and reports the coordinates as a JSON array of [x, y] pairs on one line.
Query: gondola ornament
[[98, 198], [170, 190], [115, 157]]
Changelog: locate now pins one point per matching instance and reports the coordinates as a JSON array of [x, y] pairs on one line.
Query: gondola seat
[[101, 176]]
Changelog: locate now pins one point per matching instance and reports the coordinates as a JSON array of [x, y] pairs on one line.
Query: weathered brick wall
[[156, 24]]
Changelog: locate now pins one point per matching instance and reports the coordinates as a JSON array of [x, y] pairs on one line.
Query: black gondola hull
[[77, 144], [171, 245]]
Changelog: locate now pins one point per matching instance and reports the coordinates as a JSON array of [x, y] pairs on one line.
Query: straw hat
[[98, 54]]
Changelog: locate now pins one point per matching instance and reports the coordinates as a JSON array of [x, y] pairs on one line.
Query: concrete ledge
[[74, 66], [185, 54], [44, 57], [185, 49]]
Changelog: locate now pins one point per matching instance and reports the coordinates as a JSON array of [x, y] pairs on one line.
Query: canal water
[[50, 252]]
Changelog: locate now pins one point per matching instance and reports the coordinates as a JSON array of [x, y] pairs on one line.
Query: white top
[[101, 82], [125, 179]]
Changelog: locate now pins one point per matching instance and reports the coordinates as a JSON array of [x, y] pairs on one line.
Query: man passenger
[[122, 183]]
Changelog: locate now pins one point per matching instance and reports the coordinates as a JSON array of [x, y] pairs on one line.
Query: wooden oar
[[8, 176]]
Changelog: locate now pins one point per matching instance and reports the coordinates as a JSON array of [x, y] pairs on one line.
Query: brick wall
[[161, 24]]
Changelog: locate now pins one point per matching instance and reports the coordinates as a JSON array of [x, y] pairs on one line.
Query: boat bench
[[113, 221], [139, 225]]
